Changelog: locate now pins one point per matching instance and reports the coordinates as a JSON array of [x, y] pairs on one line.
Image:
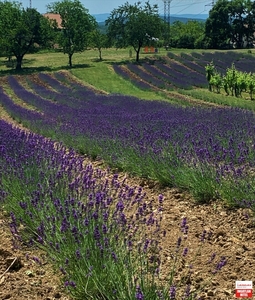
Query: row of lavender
[[102, 234], [161, 75], [208, 151], [222, 60], [182, 71]]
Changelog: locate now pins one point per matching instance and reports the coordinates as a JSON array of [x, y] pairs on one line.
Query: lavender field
[[70, 210], [207, 151], [184, 71], [102, 234]]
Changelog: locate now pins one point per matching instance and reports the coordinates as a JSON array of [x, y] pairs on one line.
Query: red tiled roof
[[55, 17]]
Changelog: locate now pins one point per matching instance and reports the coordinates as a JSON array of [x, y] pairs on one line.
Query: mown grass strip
[[207, 96]]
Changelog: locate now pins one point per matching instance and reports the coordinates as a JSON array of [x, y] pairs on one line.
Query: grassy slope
[[87, 68], [100, 74]]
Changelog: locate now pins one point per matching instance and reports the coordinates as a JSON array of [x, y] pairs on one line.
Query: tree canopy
[[21, 29], [134, 25], [186, 35], [99, 40], [231, 23], [76, 25]]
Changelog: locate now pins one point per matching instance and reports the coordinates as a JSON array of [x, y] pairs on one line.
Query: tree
[[76, 25], [237, 14], [250, 23], [185, 35], [231, 23], [134, 25], [21, 29], [242, 22], [99, 40], [217, 26]]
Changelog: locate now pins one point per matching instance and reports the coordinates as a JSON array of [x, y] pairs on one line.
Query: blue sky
[[106, 6]]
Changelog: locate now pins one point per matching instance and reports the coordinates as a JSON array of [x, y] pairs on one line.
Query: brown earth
[[232, 236]]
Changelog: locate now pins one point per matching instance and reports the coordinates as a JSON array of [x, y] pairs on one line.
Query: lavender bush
[[102, 234]]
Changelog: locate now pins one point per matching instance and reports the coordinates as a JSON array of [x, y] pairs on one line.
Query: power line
[[211, 4], [167, 10]]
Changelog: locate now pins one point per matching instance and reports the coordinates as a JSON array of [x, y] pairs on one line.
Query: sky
[[195, 7]]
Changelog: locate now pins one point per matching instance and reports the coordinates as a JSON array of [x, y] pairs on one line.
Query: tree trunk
[[100, 54], [19, 62], [137, 55], [70, 60]]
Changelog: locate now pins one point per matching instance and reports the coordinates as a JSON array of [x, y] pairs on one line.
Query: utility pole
[[167, 21], [30, 3]]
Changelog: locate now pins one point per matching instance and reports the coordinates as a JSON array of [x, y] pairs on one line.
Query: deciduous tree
[[231, 23], [217, 26], [76, 26], [134, 25], [21, 29], [185, 35], [99, 40]]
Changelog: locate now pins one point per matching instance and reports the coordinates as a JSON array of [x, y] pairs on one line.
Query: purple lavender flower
[[139, 294], [66, 283], [172, 292], [40, 240], [160, 199], [62, 270], [114, 256], [97, 233], [37, 260], [212, 258], [104, 228], [160, 295], [202, 238], [151, 219], [120, 206], [78, 254], [184, 226], [86, 222], [146, 244], [129, 245], [220, 264], [72, 284], [179, 241], [187, 292], [185, 252]]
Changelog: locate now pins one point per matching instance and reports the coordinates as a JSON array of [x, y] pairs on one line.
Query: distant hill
[[100, 18], [188, 17], [192, 16]]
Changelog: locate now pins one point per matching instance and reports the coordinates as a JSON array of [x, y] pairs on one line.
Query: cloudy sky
[[106, 6]]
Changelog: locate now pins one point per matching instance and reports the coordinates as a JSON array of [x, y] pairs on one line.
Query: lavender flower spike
[[220, 264], [139, 294], [184, 226], [172, 292], [185, 251]]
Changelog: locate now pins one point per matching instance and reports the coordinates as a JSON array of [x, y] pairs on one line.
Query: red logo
[[243, 289]]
